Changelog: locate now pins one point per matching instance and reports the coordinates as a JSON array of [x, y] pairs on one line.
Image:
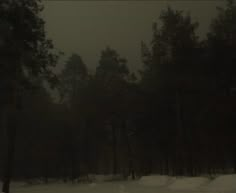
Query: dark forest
[[175, 117]]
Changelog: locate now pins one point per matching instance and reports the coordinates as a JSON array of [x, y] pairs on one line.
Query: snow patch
[[92, 184], [157, 180], [188, 183], [104, 178], [147, 184], [223, 183]]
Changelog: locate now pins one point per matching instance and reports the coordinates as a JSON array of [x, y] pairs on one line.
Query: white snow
[[156, 180], [188, 183], [104, 178], [147, 184], [223, 183]]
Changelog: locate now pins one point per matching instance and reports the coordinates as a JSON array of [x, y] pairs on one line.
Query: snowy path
[[150, 184], [104, 188]]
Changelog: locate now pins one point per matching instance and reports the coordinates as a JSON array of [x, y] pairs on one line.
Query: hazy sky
[[87, 27]]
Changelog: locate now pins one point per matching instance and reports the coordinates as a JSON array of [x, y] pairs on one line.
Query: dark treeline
[[177, 118]]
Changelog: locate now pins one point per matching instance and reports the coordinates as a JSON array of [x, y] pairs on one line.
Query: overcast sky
[[87, 27]]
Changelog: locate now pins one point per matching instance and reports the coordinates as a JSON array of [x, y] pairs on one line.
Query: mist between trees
[[177, 119]]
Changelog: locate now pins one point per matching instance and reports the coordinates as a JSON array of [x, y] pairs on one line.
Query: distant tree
[[169, 68], [173, 46], [95, 100], [73, 88], [73, 77], [220, 46], [111, 78], [222, 43]]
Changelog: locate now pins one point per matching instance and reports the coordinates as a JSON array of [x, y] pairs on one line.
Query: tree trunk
[[179, 137], [87, 127], [114, 145], [131, 169], [11, 134]]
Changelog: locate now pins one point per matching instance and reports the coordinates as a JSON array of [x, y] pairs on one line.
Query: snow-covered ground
[[147, 184]]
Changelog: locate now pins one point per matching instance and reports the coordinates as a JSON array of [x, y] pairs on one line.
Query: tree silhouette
[[168, 70], [74, 80], [25, 53], [111, 77], [222, 43], [73, 77]]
